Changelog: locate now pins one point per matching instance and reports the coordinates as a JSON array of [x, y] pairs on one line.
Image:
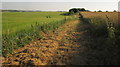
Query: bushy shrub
[[98, 27]]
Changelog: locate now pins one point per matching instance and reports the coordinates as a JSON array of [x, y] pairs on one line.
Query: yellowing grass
[[113, 16]]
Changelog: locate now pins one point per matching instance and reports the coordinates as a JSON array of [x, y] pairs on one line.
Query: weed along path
[[60, 47]]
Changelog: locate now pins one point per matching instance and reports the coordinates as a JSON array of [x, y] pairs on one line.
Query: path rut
[[59, 47]]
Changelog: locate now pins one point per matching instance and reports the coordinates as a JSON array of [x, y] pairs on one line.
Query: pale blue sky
[[60, 5]]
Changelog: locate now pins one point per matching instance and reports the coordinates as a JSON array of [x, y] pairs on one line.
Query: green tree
[[81, 9], [75, 10], [99, 11], [114, 11]]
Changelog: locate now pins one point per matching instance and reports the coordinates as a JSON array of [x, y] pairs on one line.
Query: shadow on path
[[93, 50]]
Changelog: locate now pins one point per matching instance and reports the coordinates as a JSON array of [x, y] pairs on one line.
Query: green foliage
[[24, 36], [114, 11], [82, 9], [99, 11], [106, 11], [77, 10], [106, 37], [74, 10], [66, 14], [98, 27]]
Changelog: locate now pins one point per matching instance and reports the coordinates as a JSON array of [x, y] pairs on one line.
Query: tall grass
[[25, 36], [106, 36]]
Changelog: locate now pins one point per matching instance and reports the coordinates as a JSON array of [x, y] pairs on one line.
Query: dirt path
[[59, 47], [70, 44]]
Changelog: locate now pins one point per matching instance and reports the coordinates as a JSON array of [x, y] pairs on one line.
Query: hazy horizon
[[60, 6], [59, 0]]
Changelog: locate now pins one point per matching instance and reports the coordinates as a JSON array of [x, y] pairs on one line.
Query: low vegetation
[[104, 32], [93, 37], [19, 31]]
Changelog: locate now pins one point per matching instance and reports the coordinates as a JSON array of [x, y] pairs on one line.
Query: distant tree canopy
[[10, 11], [82, 9], [106, 11], [99, 11], [76, 10], [114, 11]]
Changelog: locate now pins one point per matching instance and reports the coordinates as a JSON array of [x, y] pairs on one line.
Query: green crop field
[[16, 21], [19, 28]]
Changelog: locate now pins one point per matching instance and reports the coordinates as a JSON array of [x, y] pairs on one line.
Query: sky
[[59, 0], [60, 5]]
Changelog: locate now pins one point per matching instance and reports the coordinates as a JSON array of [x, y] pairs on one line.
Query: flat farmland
[[17, 21], [89, 38]]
